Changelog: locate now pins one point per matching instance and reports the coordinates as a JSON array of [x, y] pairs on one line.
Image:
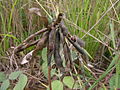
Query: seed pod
[[78, 40], [51, 39], [41, 44], [79, 49], [67, 55], [57, 56], [64, 29], [51, 45]]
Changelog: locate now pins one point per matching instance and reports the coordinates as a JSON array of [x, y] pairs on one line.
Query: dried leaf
[[27, 57], [35, 10]]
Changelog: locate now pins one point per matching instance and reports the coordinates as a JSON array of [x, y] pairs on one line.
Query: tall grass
[[15, 18]]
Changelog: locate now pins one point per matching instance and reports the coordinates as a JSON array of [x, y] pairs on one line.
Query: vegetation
[[96, 22]]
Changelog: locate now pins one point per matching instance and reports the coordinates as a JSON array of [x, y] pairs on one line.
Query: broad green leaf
[[44, 54], [21, 83], [68, 81], [57, 85], [45, 70], [5, 85], [2, 77], [44, 65], [14, 75]]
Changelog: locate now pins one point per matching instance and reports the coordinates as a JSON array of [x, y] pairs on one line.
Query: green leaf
[[45, 69], [8, 35], [112, 33], [112, 82], [21, 83], [2, 77], [57, 85], [5, 85], [44, 65], [68, 81], [14, 75], [117, 80], [44, 54], [88, 54]]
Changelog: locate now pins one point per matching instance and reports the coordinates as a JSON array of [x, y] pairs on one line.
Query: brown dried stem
[[35, 34], [21, 47]]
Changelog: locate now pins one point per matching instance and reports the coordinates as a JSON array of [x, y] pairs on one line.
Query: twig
[[36, 79], [35, 34]]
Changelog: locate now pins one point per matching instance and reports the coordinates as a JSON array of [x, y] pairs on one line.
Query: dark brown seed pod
[[78, 40], [51, 39], [41, 44], [79, 49], [57, 56], [67, 55], [51, 45], [64, 29]]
